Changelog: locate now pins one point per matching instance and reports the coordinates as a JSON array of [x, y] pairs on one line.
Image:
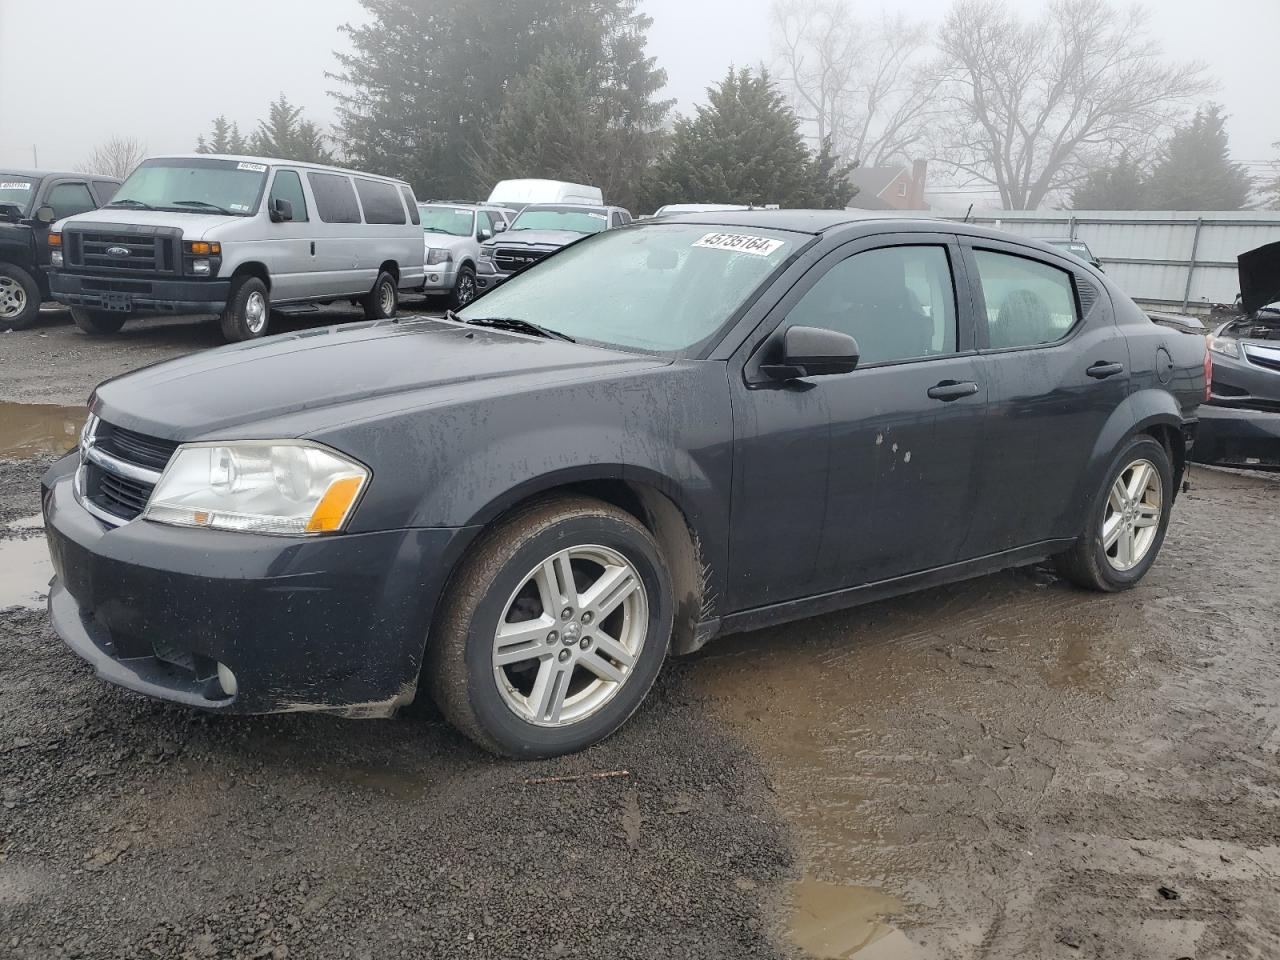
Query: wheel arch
[[253, 268], [391, 267]]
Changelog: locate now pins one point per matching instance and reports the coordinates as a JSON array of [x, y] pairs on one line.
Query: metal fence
[[1180, 260]]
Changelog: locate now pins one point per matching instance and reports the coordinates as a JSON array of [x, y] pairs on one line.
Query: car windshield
[[16, 190], [230, 187], [455, 221], [573, 219], [670, 289]]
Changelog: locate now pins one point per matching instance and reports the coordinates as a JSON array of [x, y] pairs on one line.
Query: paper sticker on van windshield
[[16, 185], [740, 243], [255, 167]]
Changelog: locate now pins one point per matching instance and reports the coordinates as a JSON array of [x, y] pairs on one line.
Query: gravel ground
[[1003, 768]]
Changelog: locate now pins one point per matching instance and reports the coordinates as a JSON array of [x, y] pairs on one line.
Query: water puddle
[[38, 429], [830, 921], [25, 569]]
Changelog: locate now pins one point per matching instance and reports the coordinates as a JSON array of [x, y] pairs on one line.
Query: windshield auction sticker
[[255, 167], [16, 185], [740, 243]]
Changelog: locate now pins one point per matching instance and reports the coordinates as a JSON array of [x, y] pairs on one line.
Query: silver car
[[452, 233], [540, 230], [239, 237]]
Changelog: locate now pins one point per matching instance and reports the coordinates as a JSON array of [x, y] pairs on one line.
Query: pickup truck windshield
[[575, 219], [17, 190], [230, 187], [665, 288], [454, 221]]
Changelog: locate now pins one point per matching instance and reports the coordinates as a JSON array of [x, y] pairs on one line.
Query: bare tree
[[115, 158], [1035, 105], [864, 83]]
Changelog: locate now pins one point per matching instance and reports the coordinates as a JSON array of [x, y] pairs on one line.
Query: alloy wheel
[[13, 298], [1131, 519], [255, 313], [466, 290], [570, 635]]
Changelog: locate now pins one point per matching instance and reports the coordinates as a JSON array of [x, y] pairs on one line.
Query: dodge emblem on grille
[[117, 251]]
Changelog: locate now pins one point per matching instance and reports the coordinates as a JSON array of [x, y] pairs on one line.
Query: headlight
[[437, 255], [486, 253], [200, 268], [1224, 345], [258, 486], [55, 258]]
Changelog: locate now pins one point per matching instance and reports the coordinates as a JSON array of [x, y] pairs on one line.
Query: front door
[[290, 251], [850, 479]]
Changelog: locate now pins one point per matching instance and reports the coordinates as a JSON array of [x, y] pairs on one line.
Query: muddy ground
[[1004, 768]]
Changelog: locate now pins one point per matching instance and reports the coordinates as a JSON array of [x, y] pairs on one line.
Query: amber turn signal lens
[[55, 239], [335, 505], [201, 248]]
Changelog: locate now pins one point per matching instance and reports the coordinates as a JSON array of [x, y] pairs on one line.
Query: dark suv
[[30, 200]]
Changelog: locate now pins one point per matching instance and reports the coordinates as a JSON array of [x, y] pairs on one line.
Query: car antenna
[[967, 214]]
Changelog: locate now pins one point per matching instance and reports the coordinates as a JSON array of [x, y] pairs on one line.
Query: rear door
[[1058, 368]]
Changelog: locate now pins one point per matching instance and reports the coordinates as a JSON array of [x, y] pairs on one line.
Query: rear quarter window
[[335, 198], [411, 202], [381, 202]]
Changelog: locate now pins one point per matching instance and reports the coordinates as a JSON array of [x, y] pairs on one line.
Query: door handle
[[313, 248], [949, 390], [1102, 369]]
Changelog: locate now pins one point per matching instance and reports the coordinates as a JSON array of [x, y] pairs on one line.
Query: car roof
[[276, 162], [41, 174], [571, 205]]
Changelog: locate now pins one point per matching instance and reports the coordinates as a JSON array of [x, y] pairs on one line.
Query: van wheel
[[98, 322], [381, 302], [464, 288], [1127, 523], [247, 311], [19, 298], [553, 630]]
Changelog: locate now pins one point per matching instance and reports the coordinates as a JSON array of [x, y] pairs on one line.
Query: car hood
[[445, 241], [316, 379], [1259, 271], [534, 238], [193, 225]]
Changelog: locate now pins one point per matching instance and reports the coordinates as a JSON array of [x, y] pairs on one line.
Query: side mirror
[[812, 352], [45, 214], [280, 210], [484, 234], [499, 227]]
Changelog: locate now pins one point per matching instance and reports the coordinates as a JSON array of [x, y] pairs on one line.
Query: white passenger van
[[238, 237], [520, 193]]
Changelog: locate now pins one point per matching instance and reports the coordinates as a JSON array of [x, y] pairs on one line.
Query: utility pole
[[35, 157]]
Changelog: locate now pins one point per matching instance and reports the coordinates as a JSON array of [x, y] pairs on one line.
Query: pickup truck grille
[[119, 470], [118, 251], [517, 258]]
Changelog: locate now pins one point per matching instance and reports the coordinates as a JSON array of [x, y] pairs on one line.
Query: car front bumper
[[317, 624], [1236, 436], [440, 278], [139, 295]]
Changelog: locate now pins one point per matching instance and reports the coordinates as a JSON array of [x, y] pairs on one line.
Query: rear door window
[[288, 186], [335, 198], [69, 198], [381, 201], [1028, 302]]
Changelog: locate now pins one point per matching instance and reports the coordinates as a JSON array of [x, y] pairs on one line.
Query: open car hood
[[1259, 277]]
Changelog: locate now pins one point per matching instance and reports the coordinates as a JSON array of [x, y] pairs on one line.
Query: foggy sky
[[75, 72]]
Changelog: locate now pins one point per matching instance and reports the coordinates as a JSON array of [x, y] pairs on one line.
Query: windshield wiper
[[515, 324], [203, 203], [133, 203]]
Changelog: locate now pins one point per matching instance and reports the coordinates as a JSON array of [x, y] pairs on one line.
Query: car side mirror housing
[[45, 214], [812, 352], [280, 210], [499, 227], [485, 234]]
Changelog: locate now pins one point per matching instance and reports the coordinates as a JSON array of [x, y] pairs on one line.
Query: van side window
[[380, 200], [288, 186], [335, 197], [1028, 302], [899, 303], [411, 202], [68, 199]]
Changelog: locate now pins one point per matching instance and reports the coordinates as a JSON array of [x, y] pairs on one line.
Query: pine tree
[[1120, 186], [225, 138], [285, 134], [1195, 170], [745, 146], [426, 83]]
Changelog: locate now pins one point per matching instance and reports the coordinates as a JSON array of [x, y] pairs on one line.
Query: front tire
[[553, 630], [19, 298], [1127, 523], [464, 288], [248, 310], [381, 302], [98, 322]]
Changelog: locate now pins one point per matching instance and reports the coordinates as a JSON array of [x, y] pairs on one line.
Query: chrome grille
[[119, 470], [517, 258]]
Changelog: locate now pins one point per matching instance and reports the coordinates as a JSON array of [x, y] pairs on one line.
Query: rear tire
[[1117, 547], [599, 645], [381, 302], [19, 298], [248, 310], [98, 322]]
